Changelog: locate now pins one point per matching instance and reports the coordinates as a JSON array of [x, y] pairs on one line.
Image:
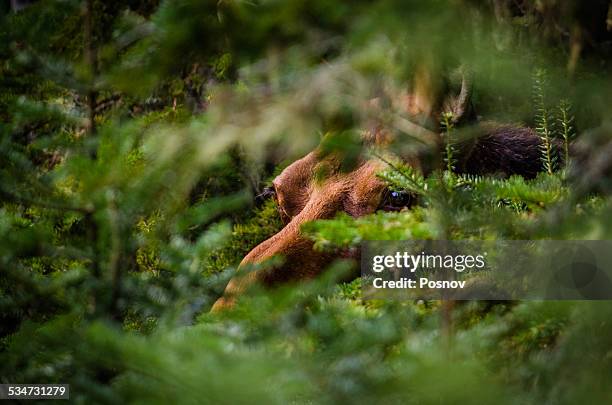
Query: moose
[[301, 197]]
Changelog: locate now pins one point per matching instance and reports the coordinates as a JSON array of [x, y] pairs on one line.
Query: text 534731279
[[34, 391]]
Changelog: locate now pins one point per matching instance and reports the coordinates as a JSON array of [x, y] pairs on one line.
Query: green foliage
[[345, 231], [134, 134], [405, 178], [264, 222]]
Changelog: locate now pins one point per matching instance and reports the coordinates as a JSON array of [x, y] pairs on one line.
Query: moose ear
[[458, 101], [432, 95]]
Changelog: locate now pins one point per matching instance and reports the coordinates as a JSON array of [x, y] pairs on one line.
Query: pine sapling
[[542, 119], [447, 134], [566, 124]]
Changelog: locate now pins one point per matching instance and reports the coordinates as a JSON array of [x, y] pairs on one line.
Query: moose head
[[303, 195]]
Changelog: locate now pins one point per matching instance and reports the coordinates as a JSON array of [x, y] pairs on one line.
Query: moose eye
[[396, 200], [266, 194]]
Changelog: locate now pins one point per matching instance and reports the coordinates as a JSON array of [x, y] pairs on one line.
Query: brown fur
[[301, 199]]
